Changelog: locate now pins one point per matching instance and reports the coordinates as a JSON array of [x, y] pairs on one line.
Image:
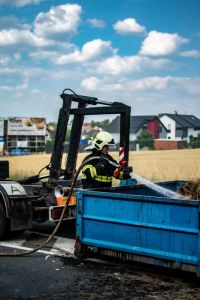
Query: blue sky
[[145, 53]]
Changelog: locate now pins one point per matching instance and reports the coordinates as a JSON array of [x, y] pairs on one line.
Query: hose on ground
[[61, 217]]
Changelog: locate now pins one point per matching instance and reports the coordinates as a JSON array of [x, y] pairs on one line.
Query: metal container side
[[164, 230]]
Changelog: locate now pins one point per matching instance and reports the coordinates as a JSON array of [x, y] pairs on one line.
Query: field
[[153, 165]]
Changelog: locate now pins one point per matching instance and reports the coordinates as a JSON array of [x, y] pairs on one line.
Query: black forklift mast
[[75, 135]]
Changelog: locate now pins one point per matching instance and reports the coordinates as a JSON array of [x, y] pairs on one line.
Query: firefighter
[[99, 172]]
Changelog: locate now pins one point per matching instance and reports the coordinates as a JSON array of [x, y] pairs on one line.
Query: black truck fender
[[17, 205]]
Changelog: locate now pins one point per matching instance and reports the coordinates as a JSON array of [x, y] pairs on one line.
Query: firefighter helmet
[[102, 139]]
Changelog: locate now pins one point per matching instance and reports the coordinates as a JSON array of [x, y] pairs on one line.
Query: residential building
[[137, 124], [181, 127]]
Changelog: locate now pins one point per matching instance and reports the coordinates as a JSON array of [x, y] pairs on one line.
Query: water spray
[[155, 187]]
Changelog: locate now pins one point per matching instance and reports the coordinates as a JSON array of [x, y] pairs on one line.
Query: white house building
[[181, 127]]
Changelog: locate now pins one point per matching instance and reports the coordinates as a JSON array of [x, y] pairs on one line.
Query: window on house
[[169, 128]]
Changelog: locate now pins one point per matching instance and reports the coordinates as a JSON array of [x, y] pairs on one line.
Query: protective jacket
[[98, 173]]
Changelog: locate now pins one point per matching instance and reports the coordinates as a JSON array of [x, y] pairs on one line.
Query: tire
[[3, 221]]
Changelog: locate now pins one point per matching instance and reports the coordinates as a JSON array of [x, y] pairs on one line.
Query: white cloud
[[59, 21], [8, 60], [164, 83], [190, 53], [190, 85], [7, 71], [19, 72], [8, 22], [4, 60], [160, 44], [52, 53], [91, 83], [95, 84], [92, 50], [17, 56], [19, 3], [150, 83], [128, 26], [97, 23], [15, 37], [36, 91], [117, 65], [176, 85], [44, 54]]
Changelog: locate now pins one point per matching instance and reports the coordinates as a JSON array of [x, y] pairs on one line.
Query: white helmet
[[102, 139]]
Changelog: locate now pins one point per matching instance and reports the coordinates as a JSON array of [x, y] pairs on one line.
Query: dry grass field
[[153, 165]]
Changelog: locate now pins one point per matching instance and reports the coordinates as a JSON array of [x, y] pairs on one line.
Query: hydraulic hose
[[61, 217]]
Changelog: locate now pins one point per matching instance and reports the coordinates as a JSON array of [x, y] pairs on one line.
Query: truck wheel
[[3, 221]]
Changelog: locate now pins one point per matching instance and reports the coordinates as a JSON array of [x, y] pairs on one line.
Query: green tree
[[160, 115], [101, 124], [52, 130], [145, 139], [194, 142], [53, 127]]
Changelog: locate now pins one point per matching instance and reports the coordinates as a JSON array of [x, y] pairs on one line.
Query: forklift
[[42, 198]]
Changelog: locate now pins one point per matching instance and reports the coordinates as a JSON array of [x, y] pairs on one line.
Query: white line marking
[[63, 247], [52, 252], [64, 244]]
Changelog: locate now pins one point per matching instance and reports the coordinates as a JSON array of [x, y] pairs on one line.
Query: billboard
[[26, 126]]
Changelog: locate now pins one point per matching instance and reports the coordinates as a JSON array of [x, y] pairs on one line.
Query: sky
[[144, 53]]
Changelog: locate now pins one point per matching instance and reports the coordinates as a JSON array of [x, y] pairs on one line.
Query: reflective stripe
[[103, 178], [99, 178], [94, 175], [121, 175], [92, 169]]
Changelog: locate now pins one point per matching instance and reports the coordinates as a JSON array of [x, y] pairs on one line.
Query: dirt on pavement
[[99, 281]]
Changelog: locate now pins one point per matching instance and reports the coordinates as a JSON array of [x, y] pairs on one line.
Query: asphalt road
[[46, 276]]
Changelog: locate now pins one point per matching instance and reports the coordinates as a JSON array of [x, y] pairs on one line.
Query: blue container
[[140, 224]]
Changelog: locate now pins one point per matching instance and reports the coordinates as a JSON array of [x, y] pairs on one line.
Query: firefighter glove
[[126, 171]]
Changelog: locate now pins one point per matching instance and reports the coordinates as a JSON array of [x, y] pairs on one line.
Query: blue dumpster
[[141, 225]]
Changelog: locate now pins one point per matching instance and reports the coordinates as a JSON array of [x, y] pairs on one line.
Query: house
[[137, 124], [89, 131], [87, 127], [181, 127]]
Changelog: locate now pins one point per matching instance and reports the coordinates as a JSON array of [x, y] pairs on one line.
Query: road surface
[[55, 274]]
